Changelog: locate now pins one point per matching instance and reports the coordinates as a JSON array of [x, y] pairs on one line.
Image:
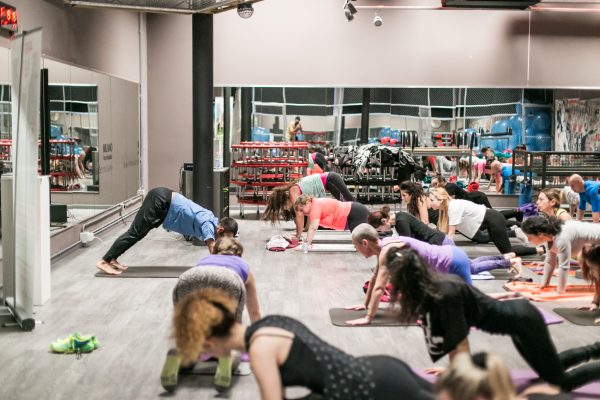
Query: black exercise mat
[[339, 316], [578, 317], [147, 272]]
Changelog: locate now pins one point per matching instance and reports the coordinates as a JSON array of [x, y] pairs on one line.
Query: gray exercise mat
[[336, 237], [147, 272], [332, 248], [384, 317], [578, 317], [501, 274]]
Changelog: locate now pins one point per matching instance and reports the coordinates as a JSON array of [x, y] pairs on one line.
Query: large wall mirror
[[94, 158], [543, 119]]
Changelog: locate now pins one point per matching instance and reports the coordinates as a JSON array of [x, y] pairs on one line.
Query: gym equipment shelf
[[258, 167]]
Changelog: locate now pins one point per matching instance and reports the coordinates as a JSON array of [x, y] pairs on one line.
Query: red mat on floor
[[532, 291]]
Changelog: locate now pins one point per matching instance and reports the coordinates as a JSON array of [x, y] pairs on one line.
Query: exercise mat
[[384, 317], [147, 272], [532, 291], [332, 248], [578, 317], [210, 367]]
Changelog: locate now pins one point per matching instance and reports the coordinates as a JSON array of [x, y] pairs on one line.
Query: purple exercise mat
[[549, 317]]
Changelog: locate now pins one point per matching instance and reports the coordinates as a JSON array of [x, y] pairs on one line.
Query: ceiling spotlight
[[377, 20], [245, 10], [349, 10]]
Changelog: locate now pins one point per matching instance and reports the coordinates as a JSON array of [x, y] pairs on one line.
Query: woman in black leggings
[[472, 220], [406, 225], [205, 321], [449, 307], [481, 198]]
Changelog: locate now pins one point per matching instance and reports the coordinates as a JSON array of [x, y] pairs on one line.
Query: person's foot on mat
[[170, 371], [223, 374], [117, 265], [107, 268], [521, 235]]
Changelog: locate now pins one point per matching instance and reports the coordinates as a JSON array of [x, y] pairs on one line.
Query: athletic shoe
[[76, 343], [223, 374], [170, 371], [521, 235]]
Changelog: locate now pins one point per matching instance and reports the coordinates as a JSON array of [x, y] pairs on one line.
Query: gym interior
[[308, 199]]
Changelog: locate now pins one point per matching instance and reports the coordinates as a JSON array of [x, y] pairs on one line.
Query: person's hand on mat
[[597, 321], [437, 371], [356, 307], [589, 307], [359, 321]]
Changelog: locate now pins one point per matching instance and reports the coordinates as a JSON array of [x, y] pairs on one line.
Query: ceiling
[[164, 6]]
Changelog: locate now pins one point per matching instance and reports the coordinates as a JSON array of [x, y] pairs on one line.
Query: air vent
[[505, 4]]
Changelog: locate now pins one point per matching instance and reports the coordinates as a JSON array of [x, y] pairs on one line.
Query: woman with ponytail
[[447, 259], [472, 220], [280, 203], [565, 239], [589, 260], [448, 308], [284, 352]]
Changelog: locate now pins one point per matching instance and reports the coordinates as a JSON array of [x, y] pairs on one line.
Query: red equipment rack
[[258, 167]]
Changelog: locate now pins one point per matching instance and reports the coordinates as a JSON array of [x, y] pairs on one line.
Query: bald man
[[589, 191]]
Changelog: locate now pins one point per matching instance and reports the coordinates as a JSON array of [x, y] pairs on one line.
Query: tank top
[[312, 185], [317, 365], [559, 211]]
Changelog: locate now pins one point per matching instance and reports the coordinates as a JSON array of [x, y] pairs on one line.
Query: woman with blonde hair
[[548, 202], [330, 213], [284, 352], [223, 270], [483, 376], [280, 204], [472, 219]]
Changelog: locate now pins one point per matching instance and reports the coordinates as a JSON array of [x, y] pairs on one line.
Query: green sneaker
[[223, 374], [76, 343], [170, 371]]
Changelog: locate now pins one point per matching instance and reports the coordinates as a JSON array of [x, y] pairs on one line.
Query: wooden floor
[[131, 318]]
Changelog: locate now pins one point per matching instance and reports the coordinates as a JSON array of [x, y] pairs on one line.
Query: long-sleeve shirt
[[568, 243]]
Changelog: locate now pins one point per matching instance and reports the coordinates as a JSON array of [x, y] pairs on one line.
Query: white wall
[[169, 97], [99, 39], [287, 42]]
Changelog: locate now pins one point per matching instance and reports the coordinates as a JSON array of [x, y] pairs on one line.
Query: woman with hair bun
[[566, 239], [448, 308], [284, 352], [223, 270]]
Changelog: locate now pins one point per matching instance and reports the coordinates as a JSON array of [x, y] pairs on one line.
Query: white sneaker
[[521, 235]]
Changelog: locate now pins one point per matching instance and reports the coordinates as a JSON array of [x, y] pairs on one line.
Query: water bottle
[[304, 245]]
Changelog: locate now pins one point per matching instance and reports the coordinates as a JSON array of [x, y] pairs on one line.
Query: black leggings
[[532, 339], [393, 377], [151, 215], [495, 224], [359, 214], [336, 186], [321, 161]]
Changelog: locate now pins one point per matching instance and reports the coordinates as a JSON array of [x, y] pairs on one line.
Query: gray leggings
[[213, 277]]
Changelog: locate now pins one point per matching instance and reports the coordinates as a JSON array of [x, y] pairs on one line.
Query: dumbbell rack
[[258, 167]]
